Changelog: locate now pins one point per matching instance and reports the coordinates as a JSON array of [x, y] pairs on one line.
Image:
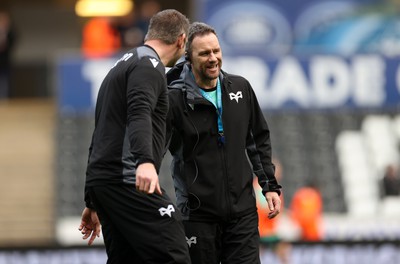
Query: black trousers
[[234, 242], [139, 228]]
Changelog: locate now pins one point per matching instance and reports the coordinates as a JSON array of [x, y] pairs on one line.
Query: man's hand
[[147, 179], [90, 225], [274, 204]]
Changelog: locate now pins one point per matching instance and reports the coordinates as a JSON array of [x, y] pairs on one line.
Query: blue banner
[[321, 81], [314, 82], [79, 81], [311, 54], [304, 26], [308, 54]]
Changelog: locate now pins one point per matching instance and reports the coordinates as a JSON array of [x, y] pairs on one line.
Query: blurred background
[[326, 73]]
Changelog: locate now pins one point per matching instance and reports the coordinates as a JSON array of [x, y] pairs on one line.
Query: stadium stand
[[364, 154], [326, 148], [358, 178], [73, 139]]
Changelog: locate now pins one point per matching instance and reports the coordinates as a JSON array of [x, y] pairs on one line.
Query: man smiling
[[214, 120]]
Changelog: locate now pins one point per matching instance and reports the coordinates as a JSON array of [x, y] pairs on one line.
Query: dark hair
[[197, 29], [167, 26]]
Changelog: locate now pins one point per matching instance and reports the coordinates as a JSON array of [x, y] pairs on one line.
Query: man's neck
[[205, 84], [164, 51]]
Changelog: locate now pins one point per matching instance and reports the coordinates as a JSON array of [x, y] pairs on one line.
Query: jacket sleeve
[[173, 141], [258, 146], [144, 85], [87, 199], [169, 124]]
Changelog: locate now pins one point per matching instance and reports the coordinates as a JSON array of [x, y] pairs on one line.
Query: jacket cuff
[[89, 205], [272, 188], [88, 200], [144, 160]]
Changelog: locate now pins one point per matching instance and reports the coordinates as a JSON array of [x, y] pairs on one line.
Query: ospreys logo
[[236, 96], [167, 211], [190, 241]]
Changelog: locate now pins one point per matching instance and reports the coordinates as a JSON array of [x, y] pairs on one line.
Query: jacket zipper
[[226, 179], [225, 173], [222, 155]]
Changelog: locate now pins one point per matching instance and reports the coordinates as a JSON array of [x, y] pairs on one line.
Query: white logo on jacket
[[125, 57], [163, 211], [154, 62], [190, 241], [236, 96]]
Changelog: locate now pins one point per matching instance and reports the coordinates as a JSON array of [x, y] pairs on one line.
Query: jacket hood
[[174, 73]]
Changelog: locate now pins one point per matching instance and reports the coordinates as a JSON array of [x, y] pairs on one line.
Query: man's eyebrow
[[205, 51]]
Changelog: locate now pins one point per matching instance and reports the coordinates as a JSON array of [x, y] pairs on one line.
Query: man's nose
[[212, 57]]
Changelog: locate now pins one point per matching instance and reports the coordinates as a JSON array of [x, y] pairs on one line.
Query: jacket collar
[[186, 82]]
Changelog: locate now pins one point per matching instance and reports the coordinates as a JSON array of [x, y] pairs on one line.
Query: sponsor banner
[[309, 54], [277, 28], [76, 255], [345, 253], [321, 81], [288, 82]]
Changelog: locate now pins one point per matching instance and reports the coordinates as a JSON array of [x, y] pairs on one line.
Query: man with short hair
[[139, 221], [214, 120]]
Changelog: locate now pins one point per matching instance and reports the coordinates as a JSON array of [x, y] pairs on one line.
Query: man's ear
[[181, 41]]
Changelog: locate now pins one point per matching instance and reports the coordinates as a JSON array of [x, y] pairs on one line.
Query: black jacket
[[130, 118], [213, 181]]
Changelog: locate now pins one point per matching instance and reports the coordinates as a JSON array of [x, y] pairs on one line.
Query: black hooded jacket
[[213, 180]]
